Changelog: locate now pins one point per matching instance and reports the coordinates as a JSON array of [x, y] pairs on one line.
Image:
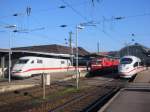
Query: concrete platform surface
[[33, 81], [132, 100], [143, 77], [12, 87]]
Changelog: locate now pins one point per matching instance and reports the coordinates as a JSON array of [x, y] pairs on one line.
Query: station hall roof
[[143, 48], [54, 48]]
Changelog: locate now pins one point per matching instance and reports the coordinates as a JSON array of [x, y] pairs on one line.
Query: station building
[[137, 50]]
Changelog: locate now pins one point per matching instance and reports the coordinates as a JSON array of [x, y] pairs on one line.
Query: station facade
[[137, 50]]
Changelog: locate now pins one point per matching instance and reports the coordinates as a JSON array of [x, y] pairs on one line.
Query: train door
[[62, 64], [39, 65], [32, 65], [135, 66], [68, 64]]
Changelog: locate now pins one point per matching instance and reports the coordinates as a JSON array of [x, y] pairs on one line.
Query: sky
[[41, 25]]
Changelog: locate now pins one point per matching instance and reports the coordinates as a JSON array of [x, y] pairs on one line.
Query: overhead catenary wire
[[108, 35], [79, 14], [127, 17], [138, 15], [66, 4], [86, 19], [104, 32], [28, 11], [117, 18], [74, 10], [98, 1]]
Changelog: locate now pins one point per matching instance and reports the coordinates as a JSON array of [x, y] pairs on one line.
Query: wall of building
[[138, 51]]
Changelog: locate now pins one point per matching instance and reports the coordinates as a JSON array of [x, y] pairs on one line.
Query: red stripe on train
[[133, 70], [64, 68]]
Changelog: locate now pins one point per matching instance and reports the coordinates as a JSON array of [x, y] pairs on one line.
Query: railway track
[[92, 101], [96, 92], [24, 98]]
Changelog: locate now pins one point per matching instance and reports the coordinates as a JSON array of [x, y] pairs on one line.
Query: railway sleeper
[[81, 103], [97, 104]]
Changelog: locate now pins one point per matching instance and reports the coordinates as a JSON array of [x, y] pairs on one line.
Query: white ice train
[[31, 65], [129, 66]]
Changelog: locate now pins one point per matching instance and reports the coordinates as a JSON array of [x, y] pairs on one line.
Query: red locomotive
[[103, 63]]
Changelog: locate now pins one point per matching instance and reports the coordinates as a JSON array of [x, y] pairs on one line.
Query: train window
[[39, 61], [62, 62], [32, 61], [22, 61], [135, 64], [98, 62], [69, 64], [126, 61]]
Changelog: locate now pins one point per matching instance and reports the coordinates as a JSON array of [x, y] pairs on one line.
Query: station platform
[[135, 97], [129, 100], [143, 77], [12, 86], [5, 86]]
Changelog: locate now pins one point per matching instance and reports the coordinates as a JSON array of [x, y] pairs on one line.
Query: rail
[[93, 100]]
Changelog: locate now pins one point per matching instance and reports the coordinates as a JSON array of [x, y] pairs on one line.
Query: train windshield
[[22, 61], [126, 61], [96, 61]]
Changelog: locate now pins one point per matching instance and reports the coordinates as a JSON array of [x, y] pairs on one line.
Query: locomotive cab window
[[22, 61], [135, 64], [126, 61]]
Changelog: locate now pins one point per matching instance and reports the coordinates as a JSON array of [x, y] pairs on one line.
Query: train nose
[[123, 68]]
